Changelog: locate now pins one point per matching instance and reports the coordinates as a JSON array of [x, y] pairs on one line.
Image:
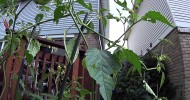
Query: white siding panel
[[2, 30], [181, 12], [145, 33], [50, 28]]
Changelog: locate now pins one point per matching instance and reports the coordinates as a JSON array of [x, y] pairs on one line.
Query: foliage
[[102, 66], [154, 16], [131, 86], [124, 54], [153, 85], [154, 78]]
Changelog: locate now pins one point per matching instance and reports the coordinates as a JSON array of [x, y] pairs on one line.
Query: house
[[56, 31], [145, 37]]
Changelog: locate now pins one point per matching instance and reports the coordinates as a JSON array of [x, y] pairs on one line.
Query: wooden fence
[[43, 62]]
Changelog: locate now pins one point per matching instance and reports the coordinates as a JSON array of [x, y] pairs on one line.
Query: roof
[[180, 12]]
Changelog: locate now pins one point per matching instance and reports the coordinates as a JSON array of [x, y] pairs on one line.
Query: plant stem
[[31, 27], [69, 66], [41, 23], [129, 29], [22, 63], [80, 32], [100, 34], [123, 34], [16, 16]]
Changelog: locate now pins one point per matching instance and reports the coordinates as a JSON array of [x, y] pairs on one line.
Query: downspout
[[127, 43], [102, 29]]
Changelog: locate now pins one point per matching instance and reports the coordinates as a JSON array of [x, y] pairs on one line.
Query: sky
[[116, 28]]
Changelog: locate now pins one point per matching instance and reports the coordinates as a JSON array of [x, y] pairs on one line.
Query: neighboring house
[[56, 31], [145, 34]]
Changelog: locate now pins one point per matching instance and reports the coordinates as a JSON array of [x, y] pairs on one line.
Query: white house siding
[[2, 28], [50, 28], [145, 33], [181, 12]]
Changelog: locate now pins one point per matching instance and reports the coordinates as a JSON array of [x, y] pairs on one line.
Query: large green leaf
[[137, 2], [104, 21], [44, 8], [29, 57], [34, 47], [162, 79], [90, 25], [59, 12], [122, 4], [2, 2], [110, 16], [39, 17], [127, 55], [11, 45], [154, 16], [149, 89], [100, 65], [10, 22], [82, 92], [15, 44], [85, 5]]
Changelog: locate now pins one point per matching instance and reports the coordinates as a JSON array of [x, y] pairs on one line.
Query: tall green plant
[[102, 66]]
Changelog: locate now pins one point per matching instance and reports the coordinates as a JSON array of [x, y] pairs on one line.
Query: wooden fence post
[[16, 67], [8, 67]]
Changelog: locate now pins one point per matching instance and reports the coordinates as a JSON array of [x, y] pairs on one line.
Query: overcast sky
[[116, 28]]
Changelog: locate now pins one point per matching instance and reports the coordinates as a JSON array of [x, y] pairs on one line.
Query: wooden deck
[[43, 63]]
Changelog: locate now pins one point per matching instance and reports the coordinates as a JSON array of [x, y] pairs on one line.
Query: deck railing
[[42, 64]]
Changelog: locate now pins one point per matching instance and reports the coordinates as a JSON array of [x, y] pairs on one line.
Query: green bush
[[131, 87]]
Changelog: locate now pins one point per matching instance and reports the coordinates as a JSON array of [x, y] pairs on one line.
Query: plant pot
[[45, 49]]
